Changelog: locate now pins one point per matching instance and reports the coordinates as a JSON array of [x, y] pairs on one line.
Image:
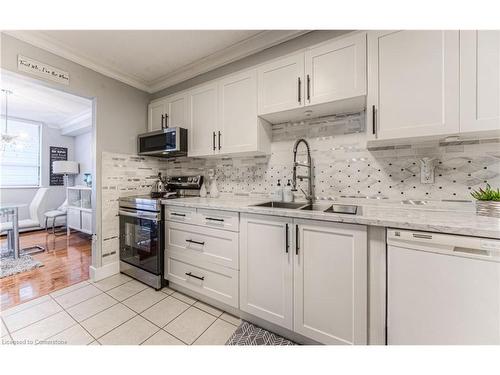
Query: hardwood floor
[[66, 262]]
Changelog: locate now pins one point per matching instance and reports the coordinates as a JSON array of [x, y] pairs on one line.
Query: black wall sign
[[57, 153]]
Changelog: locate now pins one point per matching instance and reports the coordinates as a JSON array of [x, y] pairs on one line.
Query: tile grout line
[[71, 316]]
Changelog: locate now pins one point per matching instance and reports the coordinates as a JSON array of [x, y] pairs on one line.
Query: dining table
[[11, 210]]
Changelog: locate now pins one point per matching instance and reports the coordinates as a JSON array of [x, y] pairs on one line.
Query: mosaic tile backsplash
[[342, 166]]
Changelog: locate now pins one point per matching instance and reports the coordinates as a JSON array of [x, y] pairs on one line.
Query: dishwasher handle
[[450, 244]]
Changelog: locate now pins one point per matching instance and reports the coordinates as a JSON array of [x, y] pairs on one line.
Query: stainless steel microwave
[[165, 143]]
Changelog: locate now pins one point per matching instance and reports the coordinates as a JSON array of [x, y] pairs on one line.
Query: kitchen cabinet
[[330, 282], [203, 115], [281, 84], [329, 72], [336, 70], [266, 268], [413, 83], [307, 276], [479, 80], [241, 130], [171, 111], [224, 118], [156, 115], [201, 252]]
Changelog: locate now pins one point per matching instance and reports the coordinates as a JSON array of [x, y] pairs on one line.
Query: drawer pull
[[196, 277], [196, 242], [176, 214], [214, 219]]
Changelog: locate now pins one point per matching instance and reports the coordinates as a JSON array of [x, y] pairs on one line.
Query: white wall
[[56, 194], [120, 110], [83, 155]]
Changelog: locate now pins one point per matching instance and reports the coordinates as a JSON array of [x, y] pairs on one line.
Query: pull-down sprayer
[[309, 196]]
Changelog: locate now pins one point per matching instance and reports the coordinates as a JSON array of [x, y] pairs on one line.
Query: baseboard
[[99, 273]]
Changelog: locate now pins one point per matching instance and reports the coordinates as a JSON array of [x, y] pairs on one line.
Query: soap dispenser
[[278, 192], [287, 192]]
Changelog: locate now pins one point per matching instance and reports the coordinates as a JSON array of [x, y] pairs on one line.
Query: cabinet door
[[177, 111], [86, 221], [336, 70], [413, 83], [330, 282], [156, 114], [74, 218], [479, 80], [203, 117], [281, 85], [238, 113], [266, 268]]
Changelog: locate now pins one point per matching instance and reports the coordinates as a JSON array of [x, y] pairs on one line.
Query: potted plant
[[487, 201]]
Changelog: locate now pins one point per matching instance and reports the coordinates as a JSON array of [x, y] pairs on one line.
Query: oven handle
[[139, 214]]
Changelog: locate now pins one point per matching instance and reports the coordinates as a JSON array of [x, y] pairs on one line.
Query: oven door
[[165, 140], [141, 239]]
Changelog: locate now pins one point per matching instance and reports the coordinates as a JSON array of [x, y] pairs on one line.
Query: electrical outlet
[[427, 171]]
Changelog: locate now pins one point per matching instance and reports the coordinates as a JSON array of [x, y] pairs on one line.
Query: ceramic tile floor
[[113, 311]]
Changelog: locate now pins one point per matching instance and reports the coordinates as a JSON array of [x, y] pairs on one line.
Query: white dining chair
[[36, 210]]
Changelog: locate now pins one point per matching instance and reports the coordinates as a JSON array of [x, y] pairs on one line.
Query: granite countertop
[[452, 218]]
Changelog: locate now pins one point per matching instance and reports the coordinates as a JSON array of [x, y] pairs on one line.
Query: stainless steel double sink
[[334, 208]]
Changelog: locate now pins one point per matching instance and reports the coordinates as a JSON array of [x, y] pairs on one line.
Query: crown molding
[[48, 44], [247, 47]]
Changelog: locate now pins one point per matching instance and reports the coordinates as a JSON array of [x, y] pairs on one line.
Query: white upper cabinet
[[203, 118], [281, 84], [413, 83], [156, 115], [479, 80], [168, 112], [336, 70], [266, 268], [330, 282], [177, 111], [240, 129]]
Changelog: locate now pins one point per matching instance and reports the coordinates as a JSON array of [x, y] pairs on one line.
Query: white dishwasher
[[442, 289]]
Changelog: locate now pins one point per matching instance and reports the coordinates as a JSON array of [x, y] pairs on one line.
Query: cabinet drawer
[[205, 244], [181, 214], [220, 284], [227, 220]]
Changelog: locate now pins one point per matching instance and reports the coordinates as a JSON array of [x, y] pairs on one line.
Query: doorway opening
[[47, 208]]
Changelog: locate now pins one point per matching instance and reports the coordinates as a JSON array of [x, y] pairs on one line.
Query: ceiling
[[31, 101], [152, 60]]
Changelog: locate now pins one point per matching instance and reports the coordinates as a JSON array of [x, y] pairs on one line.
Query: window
[[20, 157]]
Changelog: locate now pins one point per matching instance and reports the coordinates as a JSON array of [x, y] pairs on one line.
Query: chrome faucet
[[309, 196]]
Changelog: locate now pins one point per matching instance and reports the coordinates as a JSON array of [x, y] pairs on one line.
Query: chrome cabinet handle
[[196, 242], [196, 277]]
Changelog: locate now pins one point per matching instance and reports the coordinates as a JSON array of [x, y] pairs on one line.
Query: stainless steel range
[[142, 230]]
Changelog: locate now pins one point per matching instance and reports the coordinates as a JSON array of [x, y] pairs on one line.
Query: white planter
[[488, 208]]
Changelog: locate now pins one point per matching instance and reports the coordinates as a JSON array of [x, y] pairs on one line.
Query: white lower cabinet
[[216, 282], [307, 276], [266, 268], [330, 282]]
